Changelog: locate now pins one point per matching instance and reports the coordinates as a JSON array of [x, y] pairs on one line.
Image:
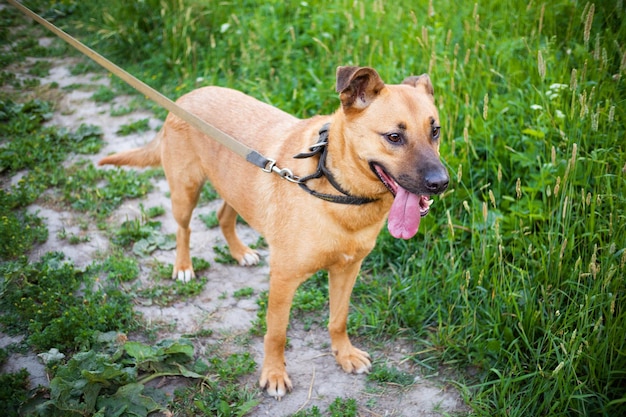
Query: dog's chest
[[348, 258], [348, 253]]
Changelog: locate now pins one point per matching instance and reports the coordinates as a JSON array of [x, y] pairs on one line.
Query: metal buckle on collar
[[319, 149], [284, 173]]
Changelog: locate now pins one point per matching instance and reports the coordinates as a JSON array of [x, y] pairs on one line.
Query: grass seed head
[[541, 65], [588, 23]]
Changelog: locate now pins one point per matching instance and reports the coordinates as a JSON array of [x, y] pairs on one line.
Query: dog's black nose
[[436, 181]]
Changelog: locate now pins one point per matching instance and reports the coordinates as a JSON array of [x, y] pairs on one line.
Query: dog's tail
[[146, 156]]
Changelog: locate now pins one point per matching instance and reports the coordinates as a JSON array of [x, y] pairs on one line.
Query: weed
[[141, 125], [112, 377], [8, 78], [221, 395], [223, 256], [152, 212], [154, 241], [199, 264], [81, 186], [20, 230], [210, 220], [23, 42], [87, 139], [120, 268], [259, 244], [13, 391], [340, 407], [162, 270], [39, 149], [207, 194], [144, 236], [259, 326], [103, 95], [199, 334], [165, 295], [132, 231], [43, 300], [244, 292], [311, 412], [122, 111], [311, 297], [31, 83], [76, 239], [40, 68], [85, 66], [390, 375], [19, 119]]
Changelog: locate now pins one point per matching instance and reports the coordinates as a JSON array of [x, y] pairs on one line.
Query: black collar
[[321, 149]]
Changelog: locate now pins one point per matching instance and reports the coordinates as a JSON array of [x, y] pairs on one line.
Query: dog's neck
[[321, 149]]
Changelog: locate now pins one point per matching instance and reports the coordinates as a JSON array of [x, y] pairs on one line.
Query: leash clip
[[284, 173]]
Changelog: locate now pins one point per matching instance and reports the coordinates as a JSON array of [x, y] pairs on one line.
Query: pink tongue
[[404, 217]]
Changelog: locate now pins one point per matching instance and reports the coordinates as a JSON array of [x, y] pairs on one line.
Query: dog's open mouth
[[407, 208]]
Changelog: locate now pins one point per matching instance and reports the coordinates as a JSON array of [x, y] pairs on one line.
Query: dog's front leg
[[274, 377], [341, 280]]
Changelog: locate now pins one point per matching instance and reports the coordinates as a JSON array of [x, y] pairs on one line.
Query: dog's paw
[[275, 382], [354, 361], [250, 258], [185, 275]]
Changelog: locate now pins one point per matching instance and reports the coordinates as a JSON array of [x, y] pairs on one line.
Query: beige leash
[[267, 164]]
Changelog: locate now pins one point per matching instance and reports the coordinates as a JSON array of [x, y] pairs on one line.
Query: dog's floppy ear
[[420, 81], [358, 86]]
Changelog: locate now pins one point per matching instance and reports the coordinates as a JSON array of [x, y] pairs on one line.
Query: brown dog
[[381, 160]]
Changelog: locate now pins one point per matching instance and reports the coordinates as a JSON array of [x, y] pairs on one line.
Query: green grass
[[220, 395], [517, 275], [389, 375], [103, 95], [134, 127], [340, 407], [10, 384], [43, 300]]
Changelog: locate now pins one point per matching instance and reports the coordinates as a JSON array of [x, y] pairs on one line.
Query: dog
[[378, 161]]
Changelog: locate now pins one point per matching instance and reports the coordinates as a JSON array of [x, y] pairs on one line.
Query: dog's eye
[[394, 138], [435, 132]]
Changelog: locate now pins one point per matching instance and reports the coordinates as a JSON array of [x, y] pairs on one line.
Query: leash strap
[[228, 141]]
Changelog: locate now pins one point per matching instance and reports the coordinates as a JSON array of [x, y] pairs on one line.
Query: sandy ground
[[318, 380]]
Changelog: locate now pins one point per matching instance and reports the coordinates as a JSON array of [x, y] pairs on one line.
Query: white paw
[[276, 384], [364, 369], [277, 393], [250, 259], [185, 276]]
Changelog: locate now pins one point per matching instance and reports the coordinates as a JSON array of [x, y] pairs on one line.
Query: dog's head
[[398, 133]]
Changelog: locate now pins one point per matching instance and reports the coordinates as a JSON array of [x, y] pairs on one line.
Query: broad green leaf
[[188, 373], [129, 400], [144, 247], [140, 351], [53, 355], [179, 347]]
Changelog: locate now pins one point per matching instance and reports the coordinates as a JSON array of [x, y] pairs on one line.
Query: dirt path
[[317, 379]]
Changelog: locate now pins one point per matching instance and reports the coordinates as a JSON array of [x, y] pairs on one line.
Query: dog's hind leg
[[341, 281], [227, 217]]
